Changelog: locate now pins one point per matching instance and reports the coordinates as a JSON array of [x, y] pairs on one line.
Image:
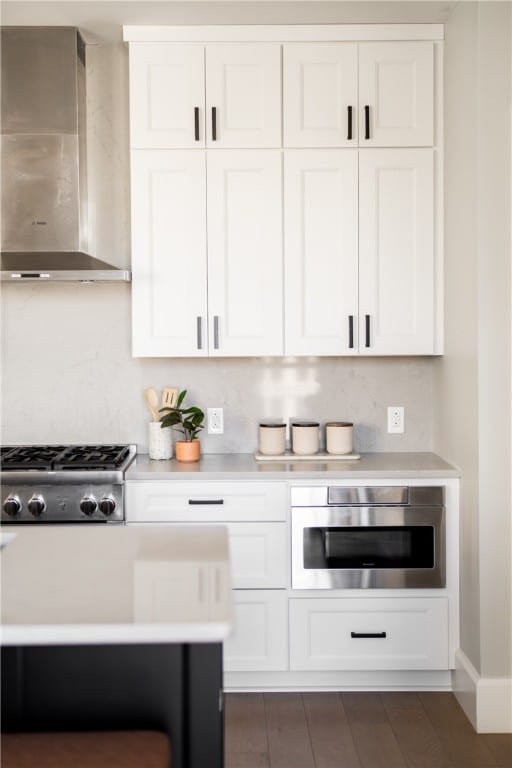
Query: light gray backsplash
[[67, 370]]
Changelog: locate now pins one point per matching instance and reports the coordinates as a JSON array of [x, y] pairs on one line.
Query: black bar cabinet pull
[[367, 122], [349, 133], [196, 123], [198, 502], [368, 634], [214, 123], [351, 331], [215, 331], [367, 328], [199, 332]]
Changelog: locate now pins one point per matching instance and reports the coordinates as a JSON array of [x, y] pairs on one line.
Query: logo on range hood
[[43, 157]]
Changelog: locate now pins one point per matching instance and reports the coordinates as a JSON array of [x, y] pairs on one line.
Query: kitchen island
[[117, 628]]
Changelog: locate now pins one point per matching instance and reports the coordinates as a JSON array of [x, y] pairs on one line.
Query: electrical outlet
[[396, 419], [215, 421]]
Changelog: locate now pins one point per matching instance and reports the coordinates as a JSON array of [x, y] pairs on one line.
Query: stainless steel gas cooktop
[[63, 484]]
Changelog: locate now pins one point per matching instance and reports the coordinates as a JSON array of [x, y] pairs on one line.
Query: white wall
[[67, 370], [472, 382]]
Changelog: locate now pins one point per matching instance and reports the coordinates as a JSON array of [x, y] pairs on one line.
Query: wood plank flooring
[[356, 730]]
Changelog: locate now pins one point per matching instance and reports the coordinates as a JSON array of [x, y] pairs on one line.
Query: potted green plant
[[188, 421]]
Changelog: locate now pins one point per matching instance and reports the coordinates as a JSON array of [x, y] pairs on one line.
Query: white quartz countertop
[[243, 466], [91, 583]]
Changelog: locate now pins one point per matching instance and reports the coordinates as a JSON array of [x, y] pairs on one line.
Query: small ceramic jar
[[305, 437], [272, 438], [159, 441], [338, 437]]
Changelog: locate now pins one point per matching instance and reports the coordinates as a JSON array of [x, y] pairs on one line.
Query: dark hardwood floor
[[356, 730]]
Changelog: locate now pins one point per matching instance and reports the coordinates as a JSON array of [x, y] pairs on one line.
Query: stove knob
[[107, 505], [88, 505], [36, 505], [12, 505]]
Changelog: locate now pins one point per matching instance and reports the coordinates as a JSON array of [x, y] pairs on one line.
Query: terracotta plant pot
[[188, 450]]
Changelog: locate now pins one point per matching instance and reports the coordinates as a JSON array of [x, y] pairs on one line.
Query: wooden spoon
[[169, 397], [151, 398]]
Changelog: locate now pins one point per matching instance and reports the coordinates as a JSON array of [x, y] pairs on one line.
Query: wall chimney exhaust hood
[[43, 159]]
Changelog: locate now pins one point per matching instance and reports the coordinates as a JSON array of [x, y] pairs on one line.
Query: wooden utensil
[[169, 397], [151, 398]]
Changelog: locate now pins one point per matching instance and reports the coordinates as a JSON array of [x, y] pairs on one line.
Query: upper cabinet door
[[320, 94], [166, 95], [396, 252], [169, 253], [243, 95], [396, 94], [320, 235], [245, 264]]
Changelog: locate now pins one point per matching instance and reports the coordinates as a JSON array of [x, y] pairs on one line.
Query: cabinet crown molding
[[283, 33]]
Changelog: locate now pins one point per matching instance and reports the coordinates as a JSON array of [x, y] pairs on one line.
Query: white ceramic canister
[[305, 437], [338, 437], [272, 438], [159, 441]]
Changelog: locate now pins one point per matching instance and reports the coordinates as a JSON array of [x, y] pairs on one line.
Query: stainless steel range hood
[[43, 156]]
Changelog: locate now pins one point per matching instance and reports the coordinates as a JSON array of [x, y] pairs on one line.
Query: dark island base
[[176, 689]]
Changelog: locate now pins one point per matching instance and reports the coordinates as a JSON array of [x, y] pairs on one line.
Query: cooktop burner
[[63, 458]]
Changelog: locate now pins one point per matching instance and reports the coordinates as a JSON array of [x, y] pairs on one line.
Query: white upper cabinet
[[243, 95], [287, 190], [358, 94], [396, 94], [245, 253], [320, 94], [396, 252], [166, 95], [169, 314], [320, 235], [185, 95]]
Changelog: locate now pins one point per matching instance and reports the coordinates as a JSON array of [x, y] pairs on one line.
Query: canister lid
[[339, 424], [305, 424], [270, 425]]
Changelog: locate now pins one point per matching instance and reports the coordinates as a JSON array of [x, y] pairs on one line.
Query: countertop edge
[[87, 634], [244, 467]]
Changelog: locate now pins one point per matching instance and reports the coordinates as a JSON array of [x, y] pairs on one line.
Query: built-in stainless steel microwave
[[388, 537]]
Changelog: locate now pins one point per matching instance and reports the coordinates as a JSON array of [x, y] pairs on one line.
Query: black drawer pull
[[368, 634], [367, 122], [349, 115], [197, 502]]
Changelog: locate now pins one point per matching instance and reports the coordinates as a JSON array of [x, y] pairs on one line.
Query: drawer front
[[259, 640], [204, 502], [366, 634], [258, 555]]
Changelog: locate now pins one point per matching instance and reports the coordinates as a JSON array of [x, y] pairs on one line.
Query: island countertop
[[90, 584], [243, 466]]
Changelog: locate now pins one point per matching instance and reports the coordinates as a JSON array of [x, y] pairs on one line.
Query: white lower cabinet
[[369, 633], [259, 640], [258, 555]]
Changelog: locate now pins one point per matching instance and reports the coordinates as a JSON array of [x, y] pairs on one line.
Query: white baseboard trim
[[487, 701]]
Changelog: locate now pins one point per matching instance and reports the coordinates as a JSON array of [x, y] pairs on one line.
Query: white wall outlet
[[396, 419], [215, 421]]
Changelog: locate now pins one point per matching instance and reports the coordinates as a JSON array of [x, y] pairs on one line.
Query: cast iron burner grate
[[59, 457], [92, 457]]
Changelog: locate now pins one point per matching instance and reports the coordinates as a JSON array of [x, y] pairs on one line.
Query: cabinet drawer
[[259, 640], [258, 555], [405, 633], [204, 502]]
